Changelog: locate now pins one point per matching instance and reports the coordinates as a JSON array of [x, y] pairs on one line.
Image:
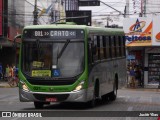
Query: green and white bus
[[70, 63]]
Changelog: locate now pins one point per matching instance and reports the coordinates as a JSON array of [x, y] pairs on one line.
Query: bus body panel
[[105, 72], [79, 96]]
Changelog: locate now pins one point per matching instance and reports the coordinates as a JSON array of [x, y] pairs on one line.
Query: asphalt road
[[128, 102]]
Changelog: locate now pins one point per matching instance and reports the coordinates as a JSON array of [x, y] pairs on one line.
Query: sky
[[101, 13]]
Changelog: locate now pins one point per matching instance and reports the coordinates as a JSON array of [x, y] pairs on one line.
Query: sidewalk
[[141, 89], [145, 88], [4, 84]]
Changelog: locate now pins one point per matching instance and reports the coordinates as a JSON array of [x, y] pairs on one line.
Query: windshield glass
[[53, 59]]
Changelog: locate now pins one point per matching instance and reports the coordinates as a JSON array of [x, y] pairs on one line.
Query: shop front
[[152, 63], [143, 48]]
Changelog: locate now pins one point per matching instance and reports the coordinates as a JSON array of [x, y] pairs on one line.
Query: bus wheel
[[113, 94], [38, 105], [105, 98], [92, 103]]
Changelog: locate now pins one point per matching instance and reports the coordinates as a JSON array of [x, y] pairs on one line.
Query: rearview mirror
[[15, 40]]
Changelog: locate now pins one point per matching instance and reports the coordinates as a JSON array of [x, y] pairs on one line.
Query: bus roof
[[90, 29]]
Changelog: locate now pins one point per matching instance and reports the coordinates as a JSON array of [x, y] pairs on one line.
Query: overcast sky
[[99, 13]]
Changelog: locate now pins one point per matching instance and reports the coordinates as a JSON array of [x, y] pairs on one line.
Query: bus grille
[[42, 97], [51, 82]]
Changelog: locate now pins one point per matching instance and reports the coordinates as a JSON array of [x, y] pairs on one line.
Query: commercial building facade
[[142, 43], [11, 24]]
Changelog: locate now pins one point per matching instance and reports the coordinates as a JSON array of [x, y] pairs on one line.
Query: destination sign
[[54, 34]]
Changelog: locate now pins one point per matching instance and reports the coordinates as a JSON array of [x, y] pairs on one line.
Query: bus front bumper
[[29, 96]]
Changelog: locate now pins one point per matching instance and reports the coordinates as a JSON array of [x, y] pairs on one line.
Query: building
[[142, 42], [11, 24]]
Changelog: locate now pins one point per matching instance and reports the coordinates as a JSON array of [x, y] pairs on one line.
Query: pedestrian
[[7, 72], [137, 75], [16, 79], [141, 77], [11, 76], [128, 75], [132, 77], [11, 72], [14, 70]]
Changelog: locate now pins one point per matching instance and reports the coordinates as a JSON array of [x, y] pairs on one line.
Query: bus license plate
[[51, 99]]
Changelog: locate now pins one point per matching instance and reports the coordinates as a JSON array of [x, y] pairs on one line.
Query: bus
[[70, 63]]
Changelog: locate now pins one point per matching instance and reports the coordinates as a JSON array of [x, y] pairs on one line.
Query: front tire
[[92, 103], [38, 105]]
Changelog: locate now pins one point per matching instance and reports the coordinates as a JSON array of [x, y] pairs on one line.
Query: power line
[[111, 7]]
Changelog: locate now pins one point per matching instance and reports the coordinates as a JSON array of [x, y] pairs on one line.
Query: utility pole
[[145, 7], [141, 13], [127, 9], [35, 14]]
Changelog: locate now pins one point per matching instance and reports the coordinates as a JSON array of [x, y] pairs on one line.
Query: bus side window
[[108, 54], [101, 48], [94, 49], [110, 47], [123, 46], [113, 46], [104, 47], [98, 47], [117, 46], [90, 47], [120, 45]]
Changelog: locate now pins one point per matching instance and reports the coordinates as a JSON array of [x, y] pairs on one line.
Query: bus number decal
[[38, 33]]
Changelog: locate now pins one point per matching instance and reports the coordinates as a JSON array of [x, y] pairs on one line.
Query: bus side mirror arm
[[14, 40]]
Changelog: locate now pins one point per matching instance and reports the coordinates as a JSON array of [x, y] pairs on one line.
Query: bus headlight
[[24, 86], [79, 86]]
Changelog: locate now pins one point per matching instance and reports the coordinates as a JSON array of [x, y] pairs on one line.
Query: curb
[[4, 85], [7, 86]]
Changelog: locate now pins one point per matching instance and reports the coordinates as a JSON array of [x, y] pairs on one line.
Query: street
[[127, 100]]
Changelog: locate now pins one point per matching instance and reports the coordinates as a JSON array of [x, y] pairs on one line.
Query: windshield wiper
[[62, 50]]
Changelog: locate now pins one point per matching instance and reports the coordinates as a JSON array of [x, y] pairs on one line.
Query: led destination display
[[54, 34]]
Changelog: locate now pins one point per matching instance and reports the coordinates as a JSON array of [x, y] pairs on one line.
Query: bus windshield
[[53, 59]]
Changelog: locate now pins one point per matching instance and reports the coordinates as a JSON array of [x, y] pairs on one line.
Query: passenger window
[[94, 49]]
